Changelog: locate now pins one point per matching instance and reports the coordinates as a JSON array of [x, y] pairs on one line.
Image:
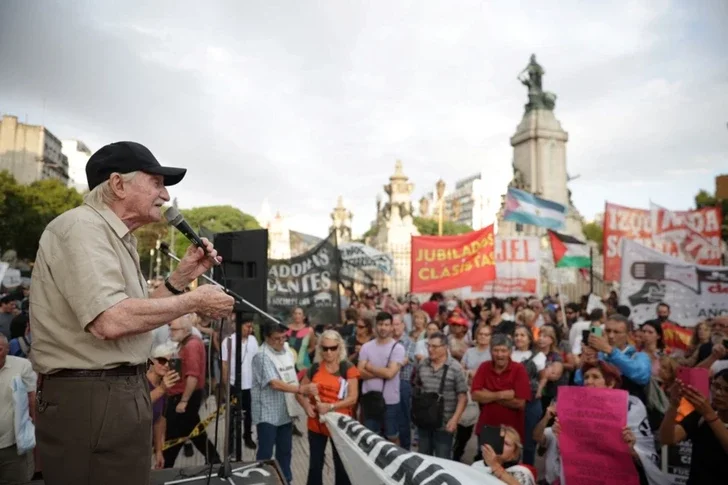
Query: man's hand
[[506, 395], [158, 460], [181, 407], [600, 343], [212, 302], [195, 262], [451, 425], [309, 389]]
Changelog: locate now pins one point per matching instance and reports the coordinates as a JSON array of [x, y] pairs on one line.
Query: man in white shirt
[[14, 468], [249, 347]]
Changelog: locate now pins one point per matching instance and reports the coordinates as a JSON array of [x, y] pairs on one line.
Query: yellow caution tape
[[201, 426]]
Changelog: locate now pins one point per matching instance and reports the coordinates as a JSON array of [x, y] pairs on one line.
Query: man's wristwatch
[[171, 288]]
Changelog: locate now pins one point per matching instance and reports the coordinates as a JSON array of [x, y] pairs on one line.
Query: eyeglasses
[[361, 326], [434, 346], [329, 349], [282, 338], [162, 361], [717, 388]]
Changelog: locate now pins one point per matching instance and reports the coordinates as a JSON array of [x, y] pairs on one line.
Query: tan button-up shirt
[[87, 262], [14, 367]]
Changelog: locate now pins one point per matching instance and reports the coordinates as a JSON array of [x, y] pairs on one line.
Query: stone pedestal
[[539, 167]]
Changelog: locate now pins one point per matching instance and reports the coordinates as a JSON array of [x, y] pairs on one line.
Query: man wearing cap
[[92, 319]]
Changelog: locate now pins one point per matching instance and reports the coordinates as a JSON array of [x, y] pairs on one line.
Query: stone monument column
[[539, 156]]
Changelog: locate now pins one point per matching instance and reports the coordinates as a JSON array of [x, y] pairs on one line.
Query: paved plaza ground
[[300, 451]]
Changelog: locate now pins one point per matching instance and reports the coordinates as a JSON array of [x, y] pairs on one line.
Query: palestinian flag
[[569, 252]]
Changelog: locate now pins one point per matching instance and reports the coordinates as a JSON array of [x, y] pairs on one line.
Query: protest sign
[[370, 459], [676, 462], [308, 281], [517, 269], [591, 436], [649, 277], [441, 263], [668, 232]]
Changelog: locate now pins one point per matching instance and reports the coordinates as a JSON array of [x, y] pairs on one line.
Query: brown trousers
[[95, 430]]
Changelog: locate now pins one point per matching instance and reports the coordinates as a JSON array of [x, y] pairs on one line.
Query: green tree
[[221, 218], [429, 227], [594, 232], [25, 211], [705, 199]]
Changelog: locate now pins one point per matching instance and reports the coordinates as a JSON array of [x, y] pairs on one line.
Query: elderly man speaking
[[92, 320]]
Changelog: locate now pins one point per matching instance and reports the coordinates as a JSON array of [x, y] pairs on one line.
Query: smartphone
[[585, 337], [491, 435], [175, 364], [596, 331], [725, 343]]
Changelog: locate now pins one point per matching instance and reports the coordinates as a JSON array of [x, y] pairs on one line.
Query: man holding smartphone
[[614, 348]]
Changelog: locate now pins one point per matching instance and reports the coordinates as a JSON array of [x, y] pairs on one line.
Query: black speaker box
[[244, 268]]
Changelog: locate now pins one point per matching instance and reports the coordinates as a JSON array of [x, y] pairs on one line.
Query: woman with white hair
[[338, 390], [161, 378]]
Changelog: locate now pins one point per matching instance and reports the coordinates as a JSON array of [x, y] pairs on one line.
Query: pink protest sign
[[697, 377], [592, 449]]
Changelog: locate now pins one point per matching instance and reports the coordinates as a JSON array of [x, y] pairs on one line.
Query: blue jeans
[[405, 414], [437, 443], [317, 449], [282, 438], [533, 416], [389, 426]]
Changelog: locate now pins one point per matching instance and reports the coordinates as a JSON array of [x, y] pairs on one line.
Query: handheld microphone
[[174, 218]]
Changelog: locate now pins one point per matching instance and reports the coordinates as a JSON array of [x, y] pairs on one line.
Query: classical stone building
[[394, 227], [341, 222], [539, 156], [31, 152]]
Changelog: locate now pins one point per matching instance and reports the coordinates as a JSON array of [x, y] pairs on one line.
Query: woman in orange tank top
[[338, 391]]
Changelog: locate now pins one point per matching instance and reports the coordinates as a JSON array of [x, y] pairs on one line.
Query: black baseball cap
[[126, 157]]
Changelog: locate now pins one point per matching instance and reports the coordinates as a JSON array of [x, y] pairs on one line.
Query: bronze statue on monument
[[532, 77]]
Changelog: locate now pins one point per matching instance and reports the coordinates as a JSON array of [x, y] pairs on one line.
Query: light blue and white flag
[[525, 208]]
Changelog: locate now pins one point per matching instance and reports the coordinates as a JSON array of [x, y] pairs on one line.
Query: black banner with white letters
[[310, 281]]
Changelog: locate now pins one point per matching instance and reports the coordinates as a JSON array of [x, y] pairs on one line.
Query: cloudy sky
[[301, 101]]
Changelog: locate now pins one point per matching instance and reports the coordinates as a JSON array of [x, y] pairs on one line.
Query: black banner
[[310, 281]]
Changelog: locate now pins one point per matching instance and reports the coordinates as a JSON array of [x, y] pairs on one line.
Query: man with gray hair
[[502, 387], [92, 318], [185, 397]]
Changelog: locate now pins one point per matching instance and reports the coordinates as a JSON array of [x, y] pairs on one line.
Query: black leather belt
[[123, 370]]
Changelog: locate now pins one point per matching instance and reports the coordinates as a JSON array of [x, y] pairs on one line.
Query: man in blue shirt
[[636, 367]]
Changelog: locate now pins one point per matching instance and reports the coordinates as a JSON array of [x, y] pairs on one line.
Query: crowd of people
[[427, 377], [120, 371]]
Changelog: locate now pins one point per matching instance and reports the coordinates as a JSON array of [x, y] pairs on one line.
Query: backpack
[[428, 408]]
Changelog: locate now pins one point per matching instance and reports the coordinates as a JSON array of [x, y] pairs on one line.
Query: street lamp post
[[159, 258], [440, 186], [151, 263]]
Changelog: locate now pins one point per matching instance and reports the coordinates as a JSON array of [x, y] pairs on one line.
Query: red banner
[[441, 263], [673, 236]]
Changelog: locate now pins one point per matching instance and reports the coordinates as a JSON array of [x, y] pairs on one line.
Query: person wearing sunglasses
[[161, 378], [338, 391]]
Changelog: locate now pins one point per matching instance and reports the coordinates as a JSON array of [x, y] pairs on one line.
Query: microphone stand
[[225, 472]]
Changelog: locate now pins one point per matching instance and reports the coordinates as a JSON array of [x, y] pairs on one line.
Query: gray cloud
[[300, 101]]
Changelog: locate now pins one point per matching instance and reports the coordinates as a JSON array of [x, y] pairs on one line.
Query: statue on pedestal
[[531, 77]]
